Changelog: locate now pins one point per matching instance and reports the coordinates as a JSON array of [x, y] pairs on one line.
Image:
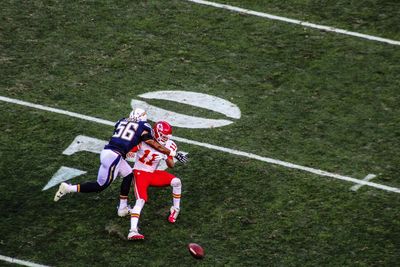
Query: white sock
[[176, 198], [123, 203], [72, 188], [134, 221], [135, 213], [176, 192]]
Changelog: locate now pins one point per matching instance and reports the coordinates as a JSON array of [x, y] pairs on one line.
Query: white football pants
[[112, 165]]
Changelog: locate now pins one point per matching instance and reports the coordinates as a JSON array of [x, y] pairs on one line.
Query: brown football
[[196, 250]]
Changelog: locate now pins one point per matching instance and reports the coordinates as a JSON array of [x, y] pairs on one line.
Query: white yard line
[[295, 21], [20, 262], [369, 177], [56, 110], [214, 147]]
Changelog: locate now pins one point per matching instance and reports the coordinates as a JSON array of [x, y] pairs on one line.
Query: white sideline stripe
[[214, 147], [369, 177], [295, 21], [56, 110], [21, 262], [289, 165]]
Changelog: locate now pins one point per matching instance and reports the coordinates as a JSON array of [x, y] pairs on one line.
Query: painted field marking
[[369, 177], [56, 110], [21, 262], [63, 174], [214, 147], [205, 101], [177, 119], [295, 21]]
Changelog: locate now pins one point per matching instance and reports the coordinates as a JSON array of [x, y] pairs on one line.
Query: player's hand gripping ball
[[196, 250]]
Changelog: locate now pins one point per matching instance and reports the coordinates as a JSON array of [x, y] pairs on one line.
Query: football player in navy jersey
[[128, 133]]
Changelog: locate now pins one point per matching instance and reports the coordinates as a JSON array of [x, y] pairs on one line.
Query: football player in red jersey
[[146, 174]]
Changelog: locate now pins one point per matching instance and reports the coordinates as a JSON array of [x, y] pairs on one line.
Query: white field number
[[194, 99]]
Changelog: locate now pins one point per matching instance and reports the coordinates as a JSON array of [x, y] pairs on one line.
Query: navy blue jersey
[[127, 134]]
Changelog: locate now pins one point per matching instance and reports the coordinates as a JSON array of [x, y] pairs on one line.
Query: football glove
[[182, 158]]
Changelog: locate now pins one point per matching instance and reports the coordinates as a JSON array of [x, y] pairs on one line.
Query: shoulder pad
[[171, 145], [147, 127], [119, 121], [144, 123]]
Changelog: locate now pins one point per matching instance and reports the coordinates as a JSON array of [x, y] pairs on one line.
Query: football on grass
[[196, 250]]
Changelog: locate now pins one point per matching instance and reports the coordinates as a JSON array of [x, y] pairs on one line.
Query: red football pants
[[145, 179]]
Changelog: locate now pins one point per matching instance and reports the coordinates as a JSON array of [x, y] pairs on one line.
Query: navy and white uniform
[[127, 134]]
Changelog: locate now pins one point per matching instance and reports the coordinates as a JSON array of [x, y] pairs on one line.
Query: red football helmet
[[162, 131]]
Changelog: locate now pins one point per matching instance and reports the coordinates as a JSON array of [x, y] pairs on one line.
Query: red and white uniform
[[145, 169]]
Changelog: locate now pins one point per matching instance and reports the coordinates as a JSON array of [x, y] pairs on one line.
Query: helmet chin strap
[[162, 140]]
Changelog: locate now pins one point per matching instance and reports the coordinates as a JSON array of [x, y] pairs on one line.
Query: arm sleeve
[[172, 146], [135, 148], [146, 128]]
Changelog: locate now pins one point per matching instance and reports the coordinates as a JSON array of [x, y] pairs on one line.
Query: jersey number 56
[[126, 130]]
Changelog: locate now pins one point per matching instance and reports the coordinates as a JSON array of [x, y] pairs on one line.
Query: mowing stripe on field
[[295, 21], [214, 147], [21, 262]]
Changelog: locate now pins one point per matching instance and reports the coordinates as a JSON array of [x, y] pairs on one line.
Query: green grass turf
[[316, 99], [374, 17]]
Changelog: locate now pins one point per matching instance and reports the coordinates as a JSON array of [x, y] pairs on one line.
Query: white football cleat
[[62, 190], [124, 211], [134, 235], [174, 212]]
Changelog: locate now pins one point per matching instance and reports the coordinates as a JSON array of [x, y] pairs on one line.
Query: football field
[[289, 111]]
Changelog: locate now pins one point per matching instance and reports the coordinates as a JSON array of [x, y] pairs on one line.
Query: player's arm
[[148, 139], [133, 151], [170, 162]]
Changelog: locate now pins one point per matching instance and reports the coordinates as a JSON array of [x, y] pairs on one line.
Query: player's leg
[[135, 215], [123, 208], [107, 172], [176, 199], [125, 171], [140, 184], [164, 178]]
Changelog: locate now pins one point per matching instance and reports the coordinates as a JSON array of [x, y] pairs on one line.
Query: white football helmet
[[138, 115]]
